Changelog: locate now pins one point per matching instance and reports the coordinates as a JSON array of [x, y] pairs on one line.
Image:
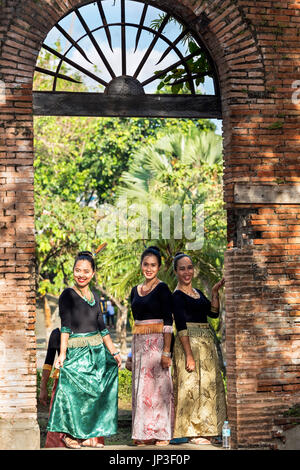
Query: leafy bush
[[49, 384], [125, 385]]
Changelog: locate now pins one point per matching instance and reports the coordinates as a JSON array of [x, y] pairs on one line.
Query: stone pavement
[[171, 447]]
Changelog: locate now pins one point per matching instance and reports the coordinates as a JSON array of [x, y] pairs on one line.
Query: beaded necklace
[[90, 301], [147, 291], [194, 294]]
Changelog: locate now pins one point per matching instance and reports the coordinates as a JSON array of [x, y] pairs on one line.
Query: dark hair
[[177, 257], [152, 250], [85, 255]]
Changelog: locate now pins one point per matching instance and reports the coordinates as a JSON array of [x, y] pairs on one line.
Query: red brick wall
[[255, 45]]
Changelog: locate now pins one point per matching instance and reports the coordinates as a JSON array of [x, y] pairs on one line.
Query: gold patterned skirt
[[200, 403]]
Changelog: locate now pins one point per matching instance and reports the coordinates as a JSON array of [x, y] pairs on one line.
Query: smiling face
[[185, 271], [150, 267], [83, 273]]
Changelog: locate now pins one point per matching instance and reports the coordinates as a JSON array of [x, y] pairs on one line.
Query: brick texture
[[255, 45]]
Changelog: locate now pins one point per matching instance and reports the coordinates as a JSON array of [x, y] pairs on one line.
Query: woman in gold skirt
[[200, 405]]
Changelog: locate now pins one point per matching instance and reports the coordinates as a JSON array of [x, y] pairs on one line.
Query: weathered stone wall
[[255, 45]]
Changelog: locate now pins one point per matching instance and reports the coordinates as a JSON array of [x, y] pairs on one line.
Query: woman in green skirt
[[85, 404]]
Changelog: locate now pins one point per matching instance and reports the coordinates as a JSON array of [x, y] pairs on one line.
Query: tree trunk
[[123, 331], [47, 317], [118, 325], [121, 327]]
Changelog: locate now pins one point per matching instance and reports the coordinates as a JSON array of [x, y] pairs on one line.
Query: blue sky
[[112, 10]]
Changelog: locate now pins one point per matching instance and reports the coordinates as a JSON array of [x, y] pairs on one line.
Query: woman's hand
[[190, 363], [218, 286], [118, 360], [60, 360], [166, 362], [112, 349]]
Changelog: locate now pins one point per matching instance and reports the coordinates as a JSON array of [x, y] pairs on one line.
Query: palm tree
[[174, 170], [181, 170]]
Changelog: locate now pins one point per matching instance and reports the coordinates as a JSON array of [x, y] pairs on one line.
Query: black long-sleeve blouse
[[53, 347], [77, 316], [155, 305], [187, 309]]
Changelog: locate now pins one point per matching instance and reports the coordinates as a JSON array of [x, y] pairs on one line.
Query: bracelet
[[116, 353], [166, 354]]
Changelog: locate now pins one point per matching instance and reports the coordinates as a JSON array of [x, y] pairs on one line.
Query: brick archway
[[250, 47]]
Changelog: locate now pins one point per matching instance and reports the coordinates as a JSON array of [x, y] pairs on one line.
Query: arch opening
[[145, 51]]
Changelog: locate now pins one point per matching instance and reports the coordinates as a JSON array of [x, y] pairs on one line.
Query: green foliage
[[125, 377], [49, 384], [175, 169], [293, 411], [276, 125], [79, 167], [62, 229], [197, 65]]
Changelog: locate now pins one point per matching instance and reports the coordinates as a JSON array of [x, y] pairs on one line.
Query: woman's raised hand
[[219, 284]]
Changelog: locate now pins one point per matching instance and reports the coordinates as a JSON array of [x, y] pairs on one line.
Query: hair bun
[[154, 248], [86, 252]]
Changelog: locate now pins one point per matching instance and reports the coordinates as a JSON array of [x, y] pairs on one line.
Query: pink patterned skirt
[[152, 389]]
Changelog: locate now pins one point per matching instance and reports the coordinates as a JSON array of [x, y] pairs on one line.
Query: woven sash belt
[[141, 328], [197, 330], [83, 341]]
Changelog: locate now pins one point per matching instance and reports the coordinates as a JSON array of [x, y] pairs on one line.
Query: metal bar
[[167, 51], [106, 28], [98, 104], [95, 44], [123, 37], [54, 74], [168, 69], [78, 67], [164, 38], [71, 40], [154, 41], [184, 79], [182, 60], [138, 34]]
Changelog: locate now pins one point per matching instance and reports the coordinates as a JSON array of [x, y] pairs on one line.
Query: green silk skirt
[[86, 400]]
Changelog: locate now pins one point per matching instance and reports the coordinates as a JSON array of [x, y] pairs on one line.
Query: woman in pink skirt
[[152, 393]]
